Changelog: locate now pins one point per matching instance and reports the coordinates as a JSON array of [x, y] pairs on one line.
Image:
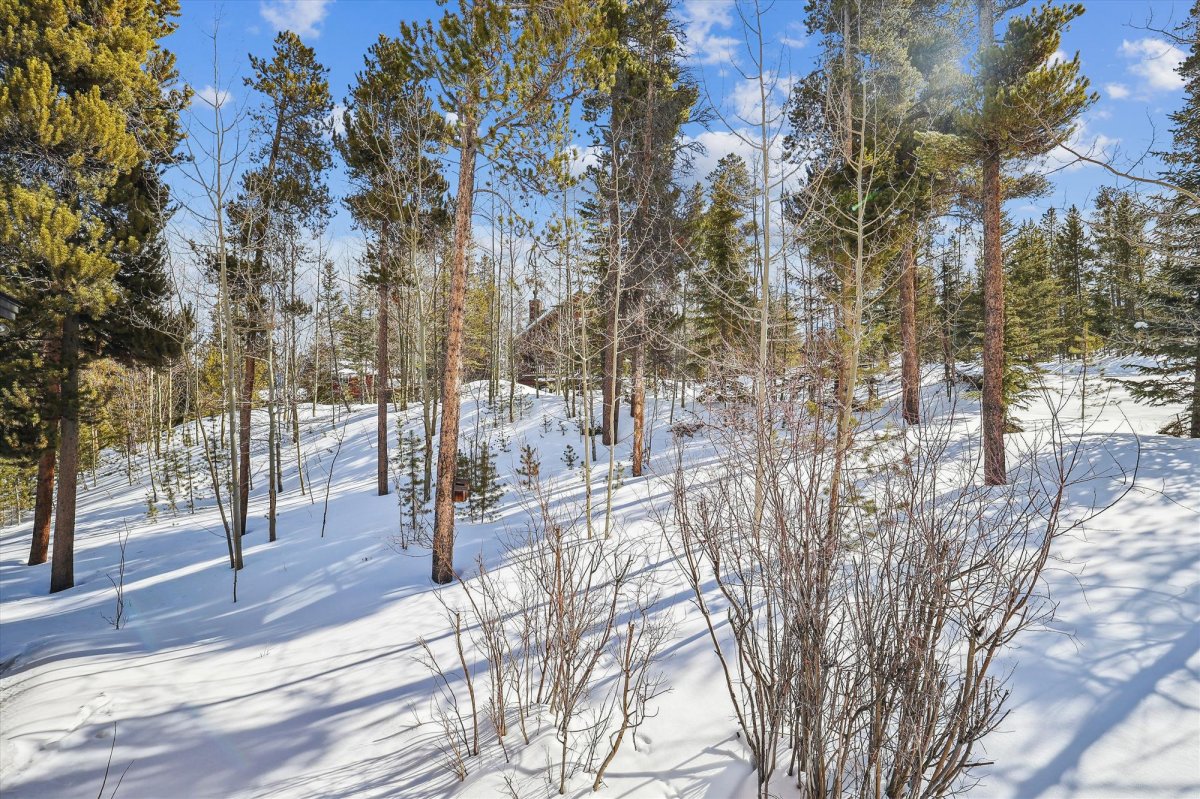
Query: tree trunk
[[43, 508], [1194, 431], [443, 506], [62, 567], [274, 472], [381, 375], [611, 358], [248, 366], [637, 387], [994, 471], [910, 363]]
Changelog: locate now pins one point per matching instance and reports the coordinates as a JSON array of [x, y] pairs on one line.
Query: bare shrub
[[567, 634], [863, 637]]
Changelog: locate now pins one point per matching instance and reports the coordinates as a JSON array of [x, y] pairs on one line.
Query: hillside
[[313, 685]]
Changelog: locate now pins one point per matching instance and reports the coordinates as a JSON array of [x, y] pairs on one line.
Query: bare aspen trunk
[[274, 471], [1194, 426], [248, 370], [443, 507], [910, 364], [62, 566], [42, 508], [611, 392]]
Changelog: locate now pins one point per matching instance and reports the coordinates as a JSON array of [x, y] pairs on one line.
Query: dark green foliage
[[1171, 335], [1033, 327], [479, 470], [722, 284], [570, 457], [410, 488], [1122, 257]]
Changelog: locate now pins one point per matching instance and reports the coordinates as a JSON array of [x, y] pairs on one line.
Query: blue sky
[[1130, 66]]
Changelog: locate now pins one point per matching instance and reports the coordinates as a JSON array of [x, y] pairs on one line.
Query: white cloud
[[1093, 145], [1057, 57], [213, 98], [581, 158], [717, 144], [1156, 62], [1117, 91], [299, 16], [700, 18], [793, 35], [337, 121], [451, 119], [746, 98]]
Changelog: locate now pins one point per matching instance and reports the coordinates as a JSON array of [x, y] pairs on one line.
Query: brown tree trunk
[[381, 381], [994, 471], [248, 366], [62, 567], [910, 364], [637, 388], [443, 503], [43, 508]]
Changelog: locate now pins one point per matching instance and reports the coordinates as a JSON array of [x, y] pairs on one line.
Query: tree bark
[[381, 373], [910, 363], [248, 367], [443, 506], [637, 387], [43, 508], [994, 471], [611, 357], [1194, 431], [62, 567]]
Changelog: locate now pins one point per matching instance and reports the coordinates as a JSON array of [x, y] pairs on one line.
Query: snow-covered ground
[[311, 684]]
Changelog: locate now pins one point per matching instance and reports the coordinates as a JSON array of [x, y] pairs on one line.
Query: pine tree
[[285, 192], [392, 137], [502, 74], [88, 115], [1172, 310], [530, 466], [1122, 255], [722, 287], [1033, 328], [1026, 106], [1072, 252]]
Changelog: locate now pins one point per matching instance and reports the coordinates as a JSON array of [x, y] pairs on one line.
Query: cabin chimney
[[535, 310]]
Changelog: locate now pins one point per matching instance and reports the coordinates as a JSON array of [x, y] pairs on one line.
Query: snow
[[311, 685]]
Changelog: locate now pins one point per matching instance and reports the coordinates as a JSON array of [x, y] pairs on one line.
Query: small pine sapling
[[570, 457], [530, 467]]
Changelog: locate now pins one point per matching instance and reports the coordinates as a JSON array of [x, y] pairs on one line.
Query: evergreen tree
[[283, 193], [530, 466], [1122, 254], [1172, 309], [1033, 327], [392, 138], [503, 74], [88, 115], [1025, 106], [1072, 264], [723, 288]]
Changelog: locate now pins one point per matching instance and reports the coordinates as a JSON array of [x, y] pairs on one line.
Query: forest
[[522, 418]]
